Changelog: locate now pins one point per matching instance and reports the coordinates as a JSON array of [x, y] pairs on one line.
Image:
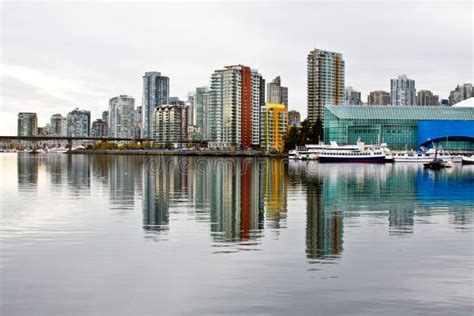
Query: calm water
[[130, 235]]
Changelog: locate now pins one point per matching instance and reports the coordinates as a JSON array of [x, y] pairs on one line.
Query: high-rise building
[[58, 125], [171, 124], [378, 98], [155, 93], [274, 122], [201, 111], [325, 82], [426, 97], [99, 128], [27, 124], [403, 91], [351, 96], [236, 96], [460, 93], [121, 111], [294, 118], [190, 104], [78, 123], [137, 122], [276, 94], [105, 118]]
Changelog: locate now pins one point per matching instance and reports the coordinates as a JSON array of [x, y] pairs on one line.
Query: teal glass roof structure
[[383, 112]]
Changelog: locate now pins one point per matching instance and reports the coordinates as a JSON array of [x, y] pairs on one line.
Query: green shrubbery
[[114, 146]]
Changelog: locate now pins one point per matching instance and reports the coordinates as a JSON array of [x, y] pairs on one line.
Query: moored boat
[[468, 160], [420, 157], [353, 156]]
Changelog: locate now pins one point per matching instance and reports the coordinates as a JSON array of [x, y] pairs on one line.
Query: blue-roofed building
[[402, 127]]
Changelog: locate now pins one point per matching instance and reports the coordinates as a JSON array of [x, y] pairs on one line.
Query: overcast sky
[[58, 56]]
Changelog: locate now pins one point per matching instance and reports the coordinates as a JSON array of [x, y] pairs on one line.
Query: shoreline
[[208, 153]]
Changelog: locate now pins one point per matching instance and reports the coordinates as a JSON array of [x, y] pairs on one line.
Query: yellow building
[[274, 126]]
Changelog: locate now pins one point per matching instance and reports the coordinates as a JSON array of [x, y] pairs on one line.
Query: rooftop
[[401, 112]]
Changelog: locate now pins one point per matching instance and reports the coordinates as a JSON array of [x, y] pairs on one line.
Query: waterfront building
[[201, 112], [325, 82], [78, 123], [236, 96], [99, 128], [171, 124], [426, 97], [351, 96], [274, 123], [155, 94], [294, 118], [58, 125], [121, 112], [403, 91], [401, 128], [378, 98], [276, 94], [460, 93], [27, 124]]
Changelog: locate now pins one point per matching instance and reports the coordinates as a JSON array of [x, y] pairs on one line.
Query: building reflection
[[27, 168], [157, 183], [124, 172], [78, 172], [236, 212], [324, 225], [276, 192]]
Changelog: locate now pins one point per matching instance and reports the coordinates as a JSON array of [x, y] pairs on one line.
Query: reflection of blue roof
[[439, 186], [439, 130], [401, 112]]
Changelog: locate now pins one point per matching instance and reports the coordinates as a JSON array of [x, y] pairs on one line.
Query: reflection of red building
[[245, 199]]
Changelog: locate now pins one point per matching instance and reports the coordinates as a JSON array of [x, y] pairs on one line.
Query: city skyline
[[37, 79]]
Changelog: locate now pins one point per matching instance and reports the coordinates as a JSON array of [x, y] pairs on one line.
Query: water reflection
[[241, 198]]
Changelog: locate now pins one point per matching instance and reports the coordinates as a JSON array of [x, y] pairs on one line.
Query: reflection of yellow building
[[275, 191], [274, 126]]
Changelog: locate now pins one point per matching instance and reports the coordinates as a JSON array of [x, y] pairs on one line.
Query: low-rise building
[[378, 97], [426, 97], [294, 118], [401, 127], [351, 96]]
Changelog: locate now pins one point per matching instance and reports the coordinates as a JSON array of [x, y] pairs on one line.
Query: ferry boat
[[358, 156], [343, 153]]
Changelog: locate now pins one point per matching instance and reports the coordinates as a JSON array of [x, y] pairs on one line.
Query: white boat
[[352, 154], [334, 152], [468, 160], [420, 157]]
